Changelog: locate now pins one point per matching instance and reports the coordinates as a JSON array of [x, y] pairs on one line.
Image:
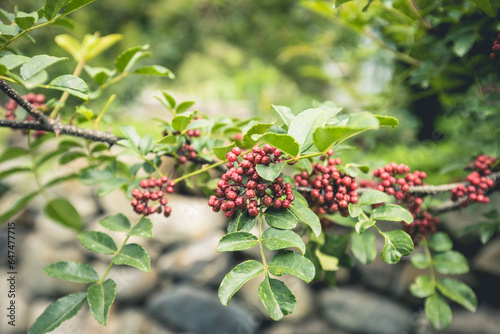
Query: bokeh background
[[425, 62]]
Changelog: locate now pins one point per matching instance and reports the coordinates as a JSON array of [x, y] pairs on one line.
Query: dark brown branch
[[10, 92], [51, 125]]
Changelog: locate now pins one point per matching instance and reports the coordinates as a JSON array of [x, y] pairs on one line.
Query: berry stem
[[261, 245], [429, 257], [199, 171], [117, 252]]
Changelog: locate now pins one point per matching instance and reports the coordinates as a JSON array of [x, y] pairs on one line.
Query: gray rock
[[484, 321], [310, 326], [487, 259], [359, 311], [197, 310], [37, 253], [198, 261], [134, 321]]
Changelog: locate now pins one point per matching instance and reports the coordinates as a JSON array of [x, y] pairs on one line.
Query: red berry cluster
[[332, 191], [37, 100], [391, 184], [496, 48], [152, 190], [478, 183], [186, 152], [396, 180], [241, 187]]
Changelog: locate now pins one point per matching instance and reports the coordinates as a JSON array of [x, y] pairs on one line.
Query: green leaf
[[3, 69], [387, 120], [70, 84], [94, 46], [397, 243], [98, 242], [285, 143], [277, 298], [270, 172], [72, 271], [288, 262], [146, 144], [307, 216], [490, 7], [463, 43], [236, 241], [155, 70], [310, 253], [131, 134], [280, 218], [363, 247], [372, 196], [170, 139], [440, 242], [17, 206], [99, 74], [75, 4], [422, 287], [275, 239], [129, 57], [220, 152], [258, 128], [180, 122], [451, 263], [71, 156], [116, 223], [184, 106], [15, 170], [100, 298], [392, 212], [143, 229], [56, 313], [459, 292], [110, 185], [92, 176], [355, 210], [63, 212], [235, 279], [304, 124], [52, 7], [327, 262], [285, 113], [9, 30], [326, 137], [12, 153], [25, 20], [36, 64], [487, 231], [438, 312], [242, 222], [362, 226], [420, 261], [13, 61], [134, 255]]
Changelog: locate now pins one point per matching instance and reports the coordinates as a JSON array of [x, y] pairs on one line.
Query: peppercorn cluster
[[495, 49], [36, 100], [332, 191], [478, 183], [396, 180], [151, 198], [242, 188], [186, 152]]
